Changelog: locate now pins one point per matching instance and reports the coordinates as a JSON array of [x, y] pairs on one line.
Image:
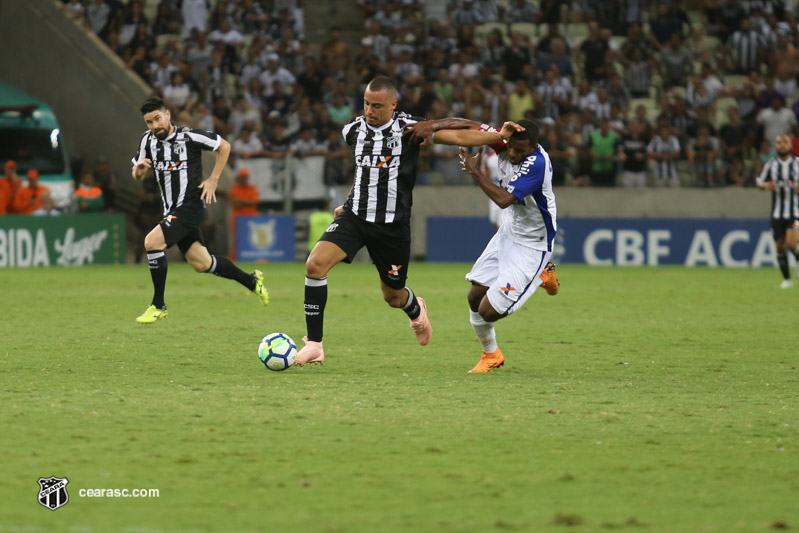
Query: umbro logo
[[332, 227]]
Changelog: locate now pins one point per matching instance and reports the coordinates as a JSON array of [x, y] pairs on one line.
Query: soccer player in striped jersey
[[781, 176], [517, 259], [376, 214], [174, 154]]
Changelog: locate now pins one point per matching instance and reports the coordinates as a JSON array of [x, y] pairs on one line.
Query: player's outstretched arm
[[420, 132], [476, 137]]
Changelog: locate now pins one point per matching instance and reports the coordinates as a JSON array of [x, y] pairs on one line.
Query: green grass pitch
[[651, 400]]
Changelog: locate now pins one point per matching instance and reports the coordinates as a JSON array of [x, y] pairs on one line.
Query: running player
[[781, 176], [517, 259], [175, 155]]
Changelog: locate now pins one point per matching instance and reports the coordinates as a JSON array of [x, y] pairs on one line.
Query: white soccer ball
[[277, 351]]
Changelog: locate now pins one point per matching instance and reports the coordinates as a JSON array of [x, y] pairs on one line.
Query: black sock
[[315, 300], [411, 307], [225, 268], [782, 260], [157, 261]]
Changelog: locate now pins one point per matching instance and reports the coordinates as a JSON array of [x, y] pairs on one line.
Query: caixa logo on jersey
[[170, 166], [377, 161], [53, 492]]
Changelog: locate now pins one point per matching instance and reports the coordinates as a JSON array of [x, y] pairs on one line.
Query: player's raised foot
[[488, 362], [259, 289], [786, 284], [550, 280], [312, 352], [421, 326], [152, 314]]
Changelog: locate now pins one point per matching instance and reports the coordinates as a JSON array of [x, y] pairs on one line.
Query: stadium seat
[[576, 33], [722, 105], [526, 28], [732, 80]]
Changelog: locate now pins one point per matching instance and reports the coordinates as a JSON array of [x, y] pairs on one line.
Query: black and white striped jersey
[[177, 163], [785, 173], [385, 169]]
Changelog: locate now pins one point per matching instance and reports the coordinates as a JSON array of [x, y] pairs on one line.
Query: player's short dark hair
[[531, 132], [382, 83], [153, 103]]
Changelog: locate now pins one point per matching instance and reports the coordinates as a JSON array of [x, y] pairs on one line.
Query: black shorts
[[389, 245], [780, 225], [182, 227]]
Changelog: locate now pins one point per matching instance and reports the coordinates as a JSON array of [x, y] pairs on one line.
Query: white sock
[[485, 332]]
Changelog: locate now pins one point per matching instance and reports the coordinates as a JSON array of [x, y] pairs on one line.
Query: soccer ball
[[277, 351]]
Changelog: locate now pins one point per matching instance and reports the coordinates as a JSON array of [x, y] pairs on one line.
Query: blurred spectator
[[618, 94], [29, 197], [768, 93], [195, 15], [522, 11], [549, 97], [274, 72], [75, 9], [247, 145], [735, 138], [10, 184], [544, 45], [601, 109], [305, 145], [776, 120], [244, 115], [197, 55], [243, 199], [517, 56], [676, 62], [134, 15], [604, 145], [106, 180], [697, 95], [663, 27], [468, 14], [699, 45], [594, 51], [161, 69], [632, 154], [88, 196], [310, 80], [520, 101], [664, 150], [494, 50], [745, 48], [557, 146], [585, 98], [335, 53], [168, 18], [736, 175], [785, 66], [557, 57], [253, 93], [48, 207], [178, 93], [703, 153]]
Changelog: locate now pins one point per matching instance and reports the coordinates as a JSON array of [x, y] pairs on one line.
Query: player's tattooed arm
[[420, 132]]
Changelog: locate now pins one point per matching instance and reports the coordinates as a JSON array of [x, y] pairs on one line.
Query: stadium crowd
[[629, 92]]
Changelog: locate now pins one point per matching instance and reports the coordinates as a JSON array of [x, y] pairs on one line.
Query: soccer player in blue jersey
[[517, 259]]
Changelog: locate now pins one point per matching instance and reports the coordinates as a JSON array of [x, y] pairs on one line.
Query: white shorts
[[511, 272]]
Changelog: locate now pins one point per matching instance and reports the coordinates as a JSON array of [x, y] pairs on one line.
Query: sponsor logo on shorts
[[506, 289], [331, 227], [394, 272]]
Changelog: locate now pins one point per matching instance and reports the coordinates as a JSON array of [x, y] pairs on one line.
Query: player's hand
[[337, 211], [142, 168], [509, 128], [470, 164], [420, 132], [209, 190]]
